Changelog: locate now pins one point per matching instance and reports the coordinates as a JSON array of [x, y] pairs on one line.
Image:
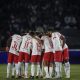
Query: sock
[[38, 69], [53, 72], [41, 71], [13, 69], [26, 69], [46, 71], [32, 69], [67, 69], [60, 69], [57, 69], [16, 67], [8, 69], [50, 71], [23, 69], [19, 68]]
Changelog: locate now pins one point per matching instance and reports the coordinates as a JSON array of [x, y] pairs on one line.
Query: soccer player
[[24, 52], [14, 43], [65, 54], [58, 53], [36, 55], [65, 57], [47, 55], [7, 49]]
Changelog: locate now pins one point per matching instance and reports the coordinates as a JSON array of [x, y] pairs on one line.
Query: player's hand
[[7, 49]]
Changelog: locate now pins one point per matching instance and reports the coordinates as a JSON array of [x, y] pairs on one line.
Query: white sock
[[53, 72], [38, 69], [50, 71], [19, 68], [13, 69], [8, 69], [60, 69], [32, 69], [57, 69], [67, 69], [46, 71], [16, 67], [41, 71], [26, 69], [23, 69]]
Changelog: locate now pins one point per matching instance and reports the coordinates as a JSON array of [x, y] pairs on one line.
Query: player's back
[[36, 47], [47, 43], [15, 44], [56, 41], [26, 43]]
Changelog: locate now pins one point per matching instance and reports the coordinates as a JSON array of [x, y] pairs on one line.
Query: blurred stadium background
[[62, 15], [22, 15]]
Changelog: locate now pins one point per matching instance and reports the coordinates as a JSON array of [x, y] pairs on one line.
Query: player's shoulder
[[28, 35], [43, 37], [16, 36], [34, 39], [58, 33]]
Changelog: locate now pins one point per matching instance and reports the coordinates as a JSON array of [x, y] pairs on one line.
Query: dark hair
[[32, 33]]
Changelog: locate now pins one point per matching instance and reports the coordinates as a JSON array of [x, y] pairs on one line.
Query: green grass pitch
[[75, 73]]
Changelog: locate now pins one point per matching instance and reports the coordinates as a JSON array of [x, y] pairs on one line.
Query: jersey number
[[15, 45]]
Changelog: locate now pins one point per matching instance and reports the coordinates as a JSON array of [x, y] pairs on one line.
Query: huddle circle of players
[[44, 51]]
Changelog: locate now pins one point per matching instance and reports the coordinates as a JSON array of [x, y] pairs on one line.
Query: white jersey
[[56, 42], [48, 46], [65, 46], [15, 44], [26, 44], [36, 47], [59, 34]]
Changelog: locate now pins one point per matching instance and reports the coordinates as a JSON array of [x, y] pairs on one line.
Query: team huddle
[[45, 52]]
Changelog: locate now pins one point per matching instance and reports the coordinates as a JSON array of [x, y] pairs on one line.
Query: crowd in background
[[20, 15]]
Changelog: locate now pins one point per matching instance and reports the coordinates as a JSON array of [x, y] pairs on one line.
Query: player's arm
[[63, 39], [39, 40]]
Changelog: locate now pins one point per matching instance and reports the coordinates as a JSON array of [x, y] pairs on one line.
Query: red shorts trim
[[24, 57], [58, 56], [65, 54], [47, 56], [12, 58], [35, 58]]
